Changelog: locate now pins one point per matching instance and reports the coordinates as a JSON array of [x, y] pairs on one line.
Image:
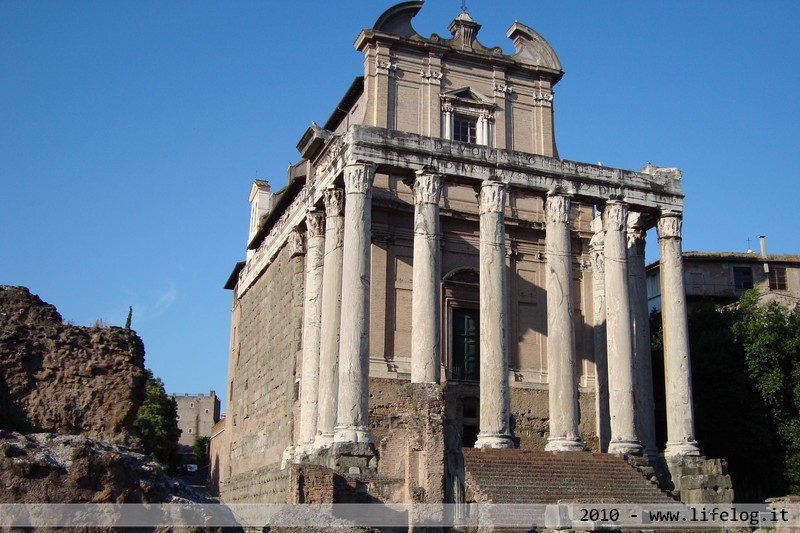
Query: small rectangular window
[[777, 279], [465, 129], [742, 278]]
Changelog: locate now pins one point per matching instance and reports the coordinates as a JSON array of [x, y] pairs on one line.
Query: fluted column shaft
[[312, 312], [426, 297], [624, 438], [640, 325], [562, 381], [495, 429], [677, 365], [352, 408], [331, 316]]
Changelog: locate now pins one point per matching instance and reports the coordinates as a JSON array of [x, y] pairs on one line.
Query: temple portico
[[338, 262]]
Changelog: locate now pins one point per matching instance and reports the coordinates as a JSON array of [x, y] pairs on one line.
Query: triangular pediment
[[467, 94]]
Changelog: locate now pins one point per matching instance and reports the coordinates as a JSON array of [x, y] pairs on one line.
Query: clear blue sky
[[130, 133]]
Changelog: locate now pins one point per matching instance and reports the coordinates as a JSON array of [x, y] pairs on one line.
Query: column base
[[323, 441], [564, 444], [494, 440], [629, 447], [352, 434], [681, 449], [288, 457]]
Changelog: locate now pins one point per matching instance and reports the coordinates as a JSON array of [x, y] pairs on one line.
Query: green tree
[[770, 336], [731, 419], [200, 450], [157, 422]]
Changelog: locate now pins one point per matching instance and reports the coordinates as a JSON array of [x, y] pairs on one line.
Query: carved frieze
[[331, 160], [557, 209], [433, 77], [358, 176], [315, 224], [543, 99], [493, 197], [427, 188], [669, 226], [334, 202], [295, 243]]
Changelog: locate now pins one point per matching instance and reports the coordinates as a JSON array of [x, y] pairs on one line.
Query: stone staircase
[[528, 477]]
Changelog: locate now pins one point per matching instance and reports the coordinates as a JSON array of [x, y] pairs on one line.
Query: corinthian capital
[[636, 239], [493, 197], [315, 224], [615, 216], [669, 225], [334, 202], [557, 209], [358, 176], [427, 188]]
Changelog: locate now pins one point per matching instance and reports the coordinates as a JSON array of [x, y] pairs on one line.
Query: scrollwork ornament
[[543, 99]]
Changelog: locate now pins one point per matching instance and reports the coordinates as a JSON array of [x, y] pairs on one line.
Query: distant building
[[723, 277], [197, 414]]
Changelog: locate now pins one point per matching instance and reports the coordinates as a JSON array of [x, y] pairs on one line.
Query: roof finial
[[463, 6]]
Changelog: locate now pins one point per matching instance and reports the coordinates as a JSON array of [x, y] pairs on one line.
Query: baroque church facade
[[434, 280]]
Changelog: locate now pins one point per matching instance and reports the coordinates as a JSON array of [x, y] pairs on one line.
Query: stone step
[[518, 476]]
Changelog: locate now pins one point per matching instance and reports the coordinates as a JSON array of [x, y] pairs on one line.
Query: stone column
[[426, 299], [563, 381], [312, 312], [597, 253], [495, 430], [331, 316], [618, 328], [352, 407], [677, 366], [640, 325]]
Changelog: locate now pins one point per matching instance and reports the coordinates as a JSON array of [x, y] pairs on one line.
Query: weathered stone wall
[[66, 379], [269, 484], [261, 406]]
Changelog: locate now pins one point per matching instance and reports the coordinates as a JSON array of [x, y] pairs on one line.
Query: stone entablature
[[405, 153]]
